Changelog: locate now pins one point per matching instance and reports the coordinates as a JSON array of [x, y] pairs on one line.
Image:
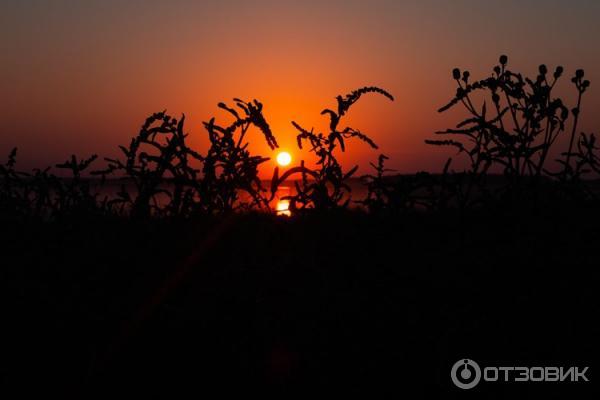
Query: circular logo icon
[[465, 374]]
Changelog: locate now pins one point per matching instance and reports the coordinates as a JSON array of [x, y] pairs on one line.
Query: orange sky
[[82, 76]]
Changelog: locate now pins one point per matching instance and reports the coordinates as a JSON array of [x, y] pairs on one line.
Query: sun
[[284, 158]]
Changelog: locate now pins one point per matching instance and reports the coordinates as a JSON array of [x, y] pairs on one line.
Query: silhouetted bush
[[326, 187], [399, 193], [513, 130], [229, 168]]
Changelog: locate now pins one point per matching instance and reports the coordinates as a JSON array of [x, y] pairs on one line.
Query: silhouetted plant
[[377, 189], [399, 193], [327, 187], [587, 155], [75, 194], [229, 168], [41, 194], [515, 128], [585, 161], [9, 177], [12, 195], [158, 153], [160, 163]]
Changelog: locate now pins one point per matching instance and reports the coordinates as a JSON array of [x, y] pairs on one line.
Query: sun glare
[[284, 158]]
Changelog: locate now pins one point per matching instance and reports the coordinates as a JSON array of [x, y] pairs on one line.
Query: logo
[[465, 374]]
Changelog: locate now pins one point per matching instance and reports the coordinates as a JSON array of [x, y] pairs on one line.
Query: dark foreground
[[338, 303]]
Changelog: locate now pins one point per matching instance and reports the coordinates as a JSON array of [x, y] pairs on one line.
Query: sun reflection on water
[[283, 208]]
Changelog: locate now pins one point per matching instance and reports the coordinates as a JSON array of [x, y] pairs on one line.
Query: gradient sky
[[81, 76]]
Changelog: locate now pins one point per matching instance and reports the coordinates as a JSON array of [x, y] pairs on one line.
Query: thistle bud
[[456, 73], [558, 72], [503, 59]]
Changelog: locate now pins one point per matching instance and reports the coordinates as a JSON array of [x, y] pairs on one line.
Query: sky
[[81, 76]]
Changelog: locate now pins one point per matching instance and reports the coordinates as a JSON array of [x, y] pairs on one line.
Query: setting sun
[[284, 158]]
